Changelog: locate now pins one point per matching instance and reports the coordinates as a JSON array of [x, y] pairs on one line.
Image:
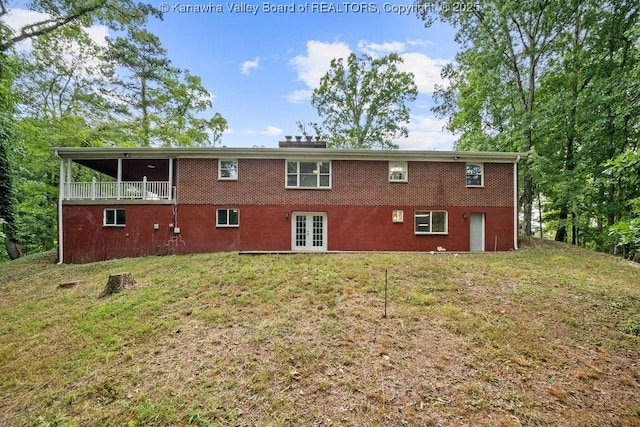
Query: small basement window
[[398, 172], [431, 222], [228, 170], [114, 218], [228, 218]]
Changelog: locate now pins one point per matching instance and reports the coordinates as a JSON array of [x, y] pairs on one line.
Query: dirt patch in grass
[[534, 337]]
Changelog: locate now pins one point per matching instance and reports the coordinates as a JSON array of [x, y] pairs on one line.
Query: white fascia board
[[288, 153]]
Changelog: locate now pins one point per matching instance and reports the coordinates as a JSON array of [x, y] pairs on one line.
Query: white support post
[[144, 188], [93, 188], [68, 180], [119, 183], [170, 179], [63, 183]]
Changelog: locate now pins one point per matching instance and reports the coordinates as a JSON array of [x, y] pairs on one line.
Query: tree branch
[[48, 25]]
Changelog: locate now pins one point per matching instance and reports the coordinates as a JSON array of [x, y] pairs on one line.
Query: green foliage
[[65, 90], [632, 328], [364, 103], [8, 69], [558, 79], [164, 103], [626, 234]]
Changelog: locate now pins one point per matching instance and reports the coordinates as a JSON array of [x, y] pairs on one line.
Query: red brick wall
[[358, 207], [354, 183], [86, 239]]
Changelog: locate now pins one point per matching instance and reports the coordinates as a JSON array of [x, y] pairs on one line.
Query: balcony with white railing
[[117, 190]]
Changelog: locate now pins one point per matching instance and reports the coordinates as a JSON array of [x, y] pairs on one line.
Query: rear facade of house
[[117, 203]]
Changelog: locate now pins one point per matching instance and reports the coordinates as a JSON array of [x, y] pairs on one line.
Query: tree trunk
[[6, 183], [117, 283], [561, 232], [527, 198], [11, 243]]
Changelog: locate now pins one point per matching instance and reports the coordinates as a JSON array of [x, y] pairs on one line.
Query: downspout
[[60, 197], [516, 226]]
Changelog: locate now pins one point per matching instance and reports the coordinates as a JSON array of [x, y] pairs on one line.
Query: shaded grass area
[[542, 336]]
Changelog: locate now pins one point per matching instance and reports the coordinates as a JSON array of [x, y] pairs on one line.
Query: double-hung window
[[114, 218], [228, 218], [398, 172], [475, 175], [228, 169], [431, 222], [306, 174]]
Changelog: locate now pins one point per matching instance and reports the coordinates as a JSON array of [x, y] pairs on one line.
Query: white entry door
[[309, 231], [476, 231]]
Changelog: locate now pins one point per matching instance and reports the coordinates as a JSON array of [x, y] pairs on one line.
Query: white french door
[[309, 231]]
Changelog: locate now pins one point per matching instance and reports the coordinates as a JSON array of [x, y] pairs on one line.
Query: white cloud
[[420, 42], [376, 50], [426, 70], [316, 63], [269, 131], [247, 66], [299, 96], [18, 18], [427, 133]]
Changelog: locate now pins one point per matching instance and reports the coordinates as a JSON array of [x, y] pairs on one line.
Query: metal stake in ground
[[386, 287]]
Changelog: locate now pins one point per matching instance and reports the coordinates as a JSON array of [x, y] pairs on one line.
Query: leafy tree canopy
[[364, 102]]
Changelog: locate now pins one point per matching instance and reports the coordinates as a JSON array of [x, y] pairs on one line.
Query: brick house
[[128, 202]]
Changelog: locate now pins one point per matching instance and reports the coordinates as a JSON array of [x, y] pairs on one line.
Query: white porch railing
[[129, 190]]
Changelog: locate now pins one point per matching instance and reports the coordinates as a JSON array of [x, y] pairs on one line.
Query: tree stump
[[117, 283], [68, 285]]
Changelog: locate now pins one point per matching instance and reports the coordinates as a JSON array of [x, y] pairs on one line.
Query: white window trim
[[115, 217], [227, 225], [406, 171], [481, 175], [297, 186], [430, 233], [224, 178]]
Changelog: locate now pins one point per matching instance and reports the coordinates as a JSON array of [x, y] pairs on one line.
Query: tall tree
[[116, 14], [364, 103], [146, 61], [7, 106], [506, 45], [164, 103]]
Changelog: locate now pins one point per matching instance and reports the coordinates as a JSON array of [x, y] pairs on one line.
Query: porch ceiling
[[132, 169]]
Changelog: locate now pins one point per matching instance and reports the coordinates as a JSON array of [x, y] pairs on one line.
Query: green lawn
[[547, 335]]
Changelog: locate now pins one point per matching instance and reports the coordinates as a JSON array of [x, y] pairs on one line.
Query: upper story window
[[398, 172], [475, 175], [431, 222], [114, 218], [228, 169], [308, 174]]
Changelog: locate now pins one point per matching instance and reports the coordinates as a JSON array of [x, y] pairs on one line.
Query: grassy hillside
[[544, 336]]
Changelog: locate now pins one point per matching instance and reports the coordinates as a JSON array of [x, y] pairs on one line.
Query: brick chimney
[[299, 142]]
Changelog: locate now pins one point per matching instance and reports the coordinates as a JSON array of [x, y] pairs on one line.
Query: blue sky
[[261, 60]]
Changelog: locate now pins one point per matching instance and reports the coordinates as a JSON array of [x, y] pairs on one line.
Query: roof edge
[[86, 153]]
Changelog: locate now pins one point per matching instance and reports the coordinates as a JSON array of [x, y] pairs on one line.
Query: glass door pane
[[318, 230], [301, 231]]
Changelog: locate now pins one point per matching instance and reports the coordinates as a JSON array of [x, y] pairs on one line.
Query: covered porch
[[121, 177]]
